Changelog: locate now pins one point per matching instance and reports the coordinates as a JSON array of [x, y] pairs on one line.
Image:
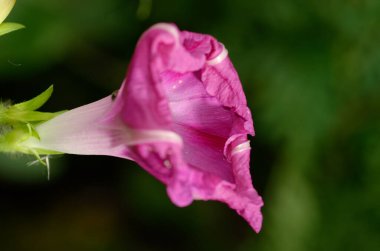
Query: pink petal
[[181, 114], [185, 82]]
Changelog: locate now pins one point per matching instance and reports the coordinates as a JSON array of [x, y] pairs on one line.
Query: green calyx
[[18, 121], [25, 113]]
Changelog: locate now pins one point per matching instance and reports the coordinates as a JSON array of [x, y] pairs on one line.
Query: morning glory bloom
[[181, 114]]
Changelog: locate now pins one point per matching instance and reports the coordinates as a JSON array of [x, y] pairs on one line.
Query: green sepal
[[36, 102], [32, 131], [9, 27], [13, 141], [30, 116], [9, 142], [24, 112], [17, 124]]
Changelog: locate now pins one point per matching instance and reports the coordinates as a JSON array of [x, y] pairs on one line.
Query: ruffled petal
[[185, 82], [141, 101]]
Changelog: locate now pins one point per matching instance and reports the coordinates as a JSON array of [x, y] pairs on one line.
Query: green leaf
[[9, 27], [5, 8], [36, 102]]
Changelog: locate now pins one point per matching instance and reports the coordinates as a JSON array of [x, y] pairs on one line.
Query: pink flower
[[180, 113]]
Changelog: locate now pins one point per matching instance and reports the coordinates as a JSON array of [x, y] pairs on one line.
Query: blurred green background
[[311, 72]]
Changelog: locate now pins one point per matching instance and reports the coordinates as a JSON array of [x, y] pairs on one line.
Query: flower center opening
[[202, 122]]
